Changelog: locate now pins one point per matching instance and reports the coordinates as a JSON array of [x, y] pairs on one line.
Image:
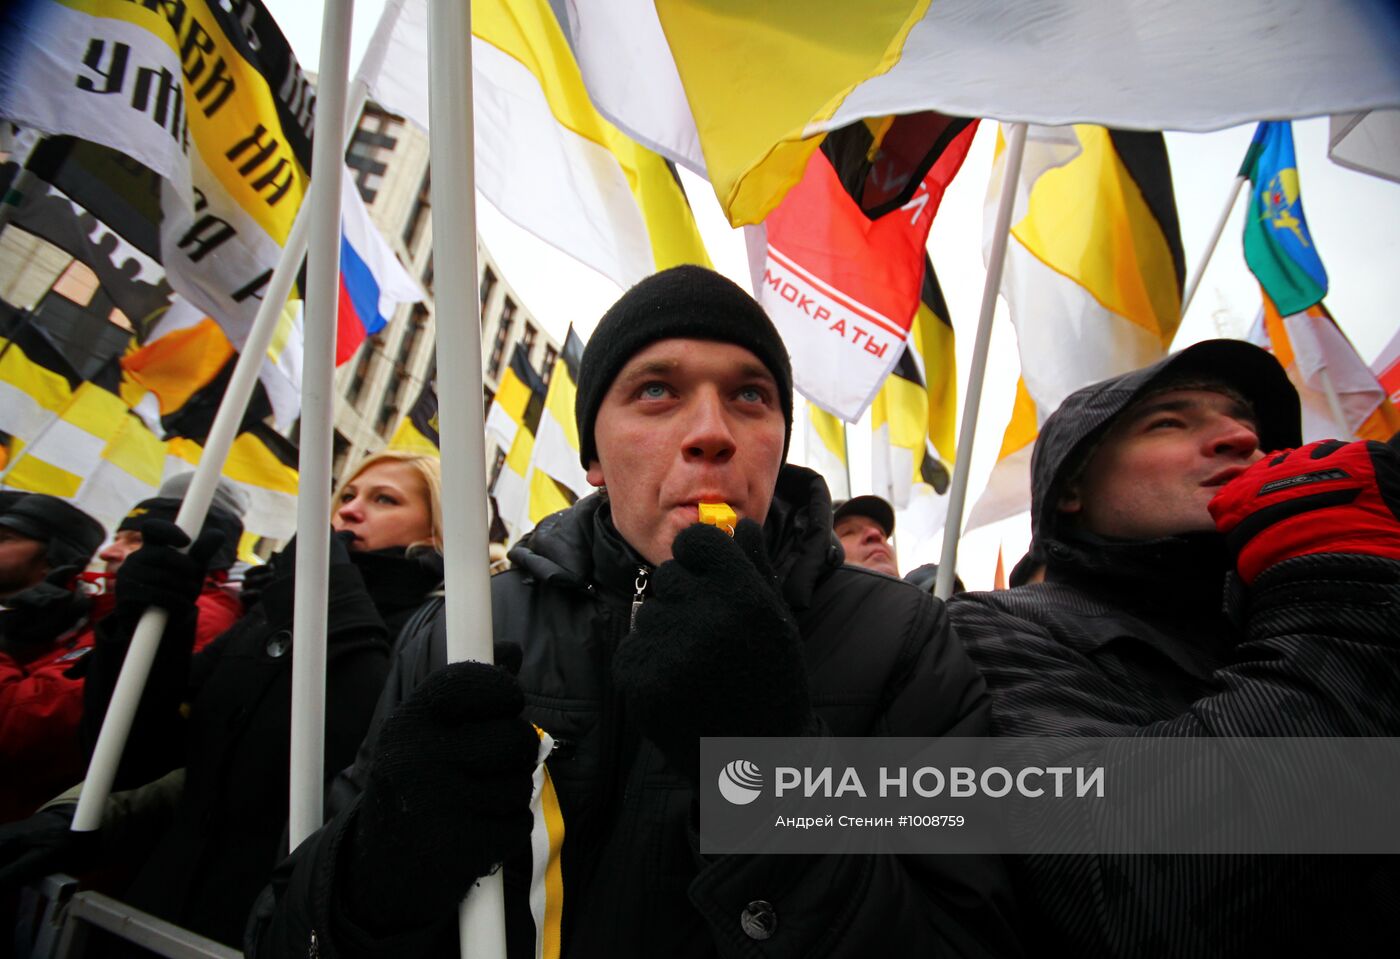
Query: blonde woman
[[224, 714]]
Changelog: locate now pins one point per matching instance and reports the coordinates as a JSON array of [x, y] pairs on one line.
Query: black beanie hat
[[70, 535], [168, 507], [684, 302]]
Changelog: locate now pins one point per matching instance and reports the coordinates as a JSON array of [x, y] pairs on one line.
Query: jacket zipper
[[640, 596]]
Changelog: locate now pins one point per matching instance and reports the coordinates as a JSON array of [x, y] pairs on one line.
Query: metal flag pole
[[957, 493], [460, 427], [317, 408], [1210, 247]]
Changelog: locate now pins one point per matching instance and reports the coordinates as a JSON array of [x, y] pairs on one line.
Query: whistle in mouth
[[719, 514]]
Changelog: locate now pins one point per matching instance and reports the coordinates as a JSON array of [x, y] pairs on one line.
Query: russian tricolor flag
[[372, 281]]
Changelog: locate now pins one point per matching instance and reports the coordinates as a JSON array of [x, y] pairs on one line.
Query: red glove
[[1327, 497]]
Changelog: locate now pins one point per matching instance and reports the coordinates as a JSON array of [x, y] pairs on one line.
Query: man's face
[[126, 542], [865, 544], [685, 422], [1161, 463], [23, 562]]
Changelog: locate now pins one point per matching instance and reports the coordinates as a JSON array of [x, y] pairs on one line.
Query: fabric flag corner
[[372, 280]]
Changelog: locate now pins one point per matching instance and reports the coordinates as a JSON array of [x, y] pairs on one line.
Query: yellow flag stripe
[[136, 450], [932, 338], [407, 437], [252, 104], [513, 395], [45, 387], [1024, 426], [1087, 220], [529, 33], [830, 429], [554, 872], [545, 496], [757, 75], [37, 476]]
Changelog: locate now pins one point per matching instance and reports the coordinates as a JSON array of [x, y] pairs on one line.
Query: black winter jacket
[[207, 867], [1145, 639], [880, 663]]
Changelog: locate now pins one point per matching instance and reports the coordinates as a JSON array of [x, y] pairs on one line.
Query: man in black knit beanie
[[643, 631]]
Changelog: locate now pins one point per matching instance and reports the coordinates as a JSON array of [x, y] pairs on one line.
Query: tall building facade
[[389, 160]]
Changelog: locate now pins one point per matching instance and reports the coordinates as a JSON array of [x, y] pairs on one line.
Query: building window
[[496, 468], [498, 351], [418, 216], [551, 355], [362, 365], [387, 412], [417, 323], [428, 276], [488, 286], [527, 339], [371, 141], [487, 398]]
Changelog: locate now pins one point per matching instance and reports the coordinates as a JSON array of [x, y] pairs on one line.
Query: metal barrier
[[69, 916]]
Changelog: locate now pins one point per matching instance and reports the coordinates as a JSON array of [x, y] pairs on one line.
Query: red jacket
[[41, 705]]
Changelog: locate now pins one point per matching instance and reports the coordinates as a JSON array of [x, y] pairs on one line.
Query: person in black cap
[[864, 525], [642, 631], [1202, 578], [41, 535], [52, 627]]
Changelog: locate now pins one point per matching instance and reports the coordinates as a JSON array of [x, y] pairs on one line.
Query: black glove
[[284, 564], [715, 650], [42, 844], [158, 574], [42, 613], [448, 798]]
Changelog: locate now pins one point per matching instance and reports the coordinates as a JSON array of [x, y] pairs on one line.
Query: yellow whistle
[[719, 514]]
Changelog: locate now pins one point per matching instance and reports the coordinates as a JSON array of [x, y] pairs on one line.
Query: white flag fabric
[[545, 157], [1341, 397], [1140, 64], [224, 121], [1367, 142], [631, 76], [1092, 278]]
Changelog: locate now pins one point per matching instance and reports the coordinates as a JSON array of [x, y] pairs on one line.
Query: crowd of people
[[1194, 571]]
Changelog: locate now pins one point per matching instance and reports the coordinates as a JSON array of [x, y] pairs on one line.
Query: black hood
[[578, 547], [1085, 415]]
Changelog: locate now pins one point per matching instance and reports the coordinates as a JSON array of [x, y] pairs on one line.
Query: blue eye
[[652, 391]]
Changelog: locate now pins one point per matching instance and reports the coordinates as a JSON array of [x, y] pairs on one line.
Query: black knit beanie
[[684, 302], [168, 507]]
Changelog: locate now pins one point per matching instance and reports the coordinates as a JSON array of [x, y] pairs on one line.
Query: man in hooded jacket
[[1150, 622], [641, 632]]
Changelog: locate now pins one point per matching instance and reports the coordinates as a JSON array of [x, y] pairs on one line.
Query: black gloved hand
[[715, 650], [45, 611], [448, 798], [285, 562], [159, 574], [42, 844]]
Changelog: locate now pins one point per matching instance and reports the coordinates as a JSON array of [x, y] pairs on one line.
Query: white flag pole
[[1210, 247], [460, 427], [132, 679], [957, 493], [317, 407]]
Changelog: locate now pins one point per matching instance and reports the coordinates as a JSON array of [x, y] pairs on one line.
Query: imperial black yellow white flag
[[206, 96], [1093, 277]]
